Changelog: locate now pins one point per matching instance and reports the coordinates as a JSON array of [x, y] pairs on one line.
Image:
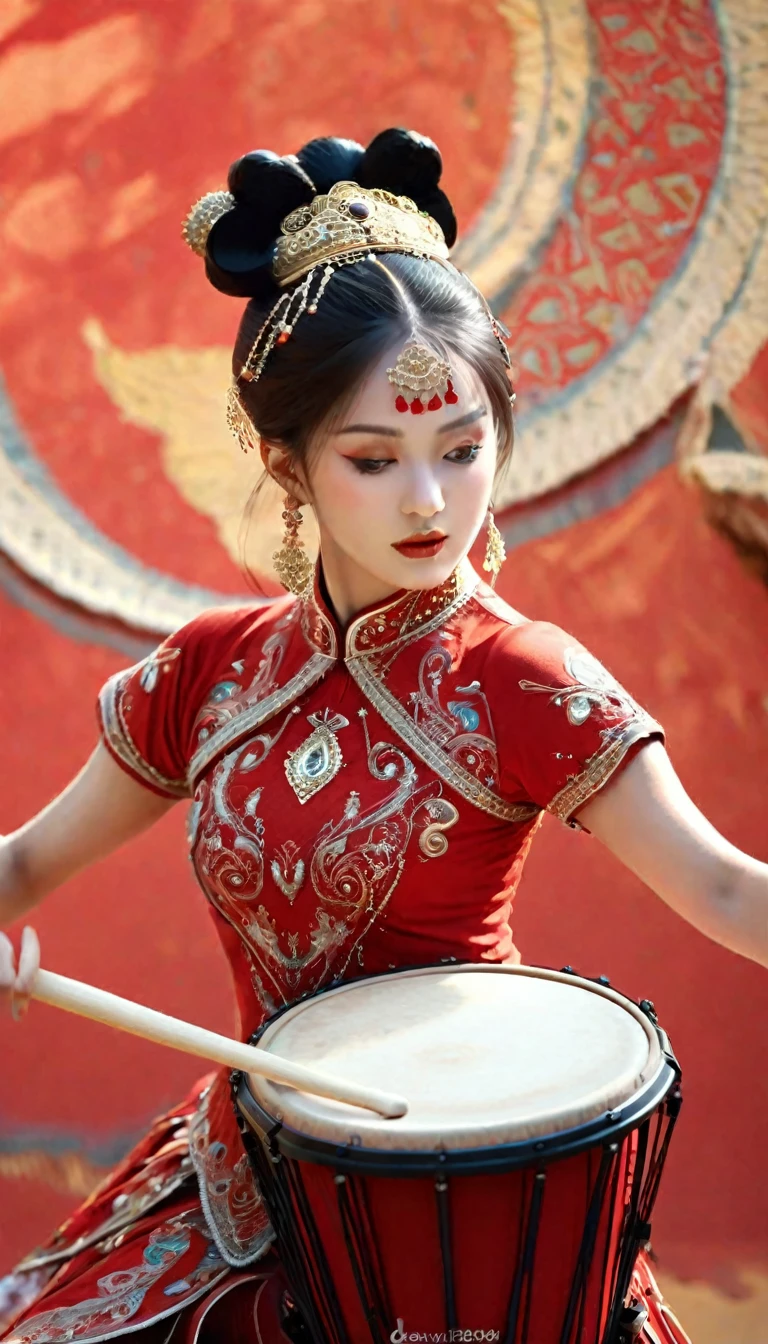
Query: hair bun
[[234, 262], [241, 244], [330, 159], [435, 203], [409, 164], [401, 161], [271, 186]]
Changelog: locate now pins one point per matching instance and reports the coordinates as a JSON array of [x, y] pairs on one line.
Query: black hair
[[309, 381]]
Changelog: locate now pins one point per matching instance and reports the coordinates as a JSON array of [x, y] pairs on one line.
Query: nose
[[423, 496]]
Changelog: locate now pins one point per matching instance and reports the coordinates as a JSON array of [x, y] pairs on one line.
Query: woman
[[369, 758]]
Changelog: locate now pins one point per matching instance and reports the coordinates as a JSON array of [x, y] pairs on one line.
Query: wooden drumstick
[[88, 1001]]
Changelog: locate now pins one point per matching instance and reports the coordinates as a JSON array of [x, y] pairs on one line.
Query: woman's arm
[[99, 810], [645, 817]]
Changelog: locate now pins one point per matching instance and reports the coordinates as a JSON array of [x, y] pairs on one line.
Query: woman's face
[[399, 498]]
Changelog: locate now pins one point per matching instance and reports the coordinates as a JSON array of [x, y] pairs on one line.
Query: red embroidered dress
[[361, 800]]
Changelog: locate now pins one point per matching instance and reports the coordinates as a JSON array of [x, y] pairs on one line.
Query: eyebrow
[[467, 419]]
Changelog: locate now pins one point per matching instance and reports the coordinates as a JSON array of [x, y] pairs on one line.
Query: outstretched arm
[[645, 817], [99, 810]]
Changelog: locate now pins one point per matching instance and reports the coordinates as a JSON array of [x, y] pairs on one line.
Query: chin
[[428, 573]]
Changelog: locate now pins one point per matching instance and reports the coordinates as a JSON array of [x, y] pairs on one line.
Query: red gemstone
[[417, 407], [401, 404], [450, 395], [282, 338], [434, 404]]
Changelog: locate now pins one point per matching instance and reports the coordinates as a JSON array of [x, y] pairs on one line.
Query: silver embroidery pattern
[[119, 738], [474, 751], [592, 687], [355, 867], [121, 1293], [288, 870], [449, 770], [601, 765], [228, 699], [230, 1197], [360, 877], [156, 663], [312, 671], [232, 878]]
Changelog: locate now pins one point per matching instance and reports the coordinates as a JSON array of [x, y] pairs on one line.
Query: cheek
[[346, 501]]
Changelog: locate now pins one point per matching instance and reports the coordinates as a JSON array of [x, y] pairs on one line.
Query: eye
[[370, 466], [466, 453]]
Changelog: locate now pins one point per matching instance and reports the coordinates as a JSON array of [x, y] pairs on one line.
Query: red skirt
[[138, 1256]]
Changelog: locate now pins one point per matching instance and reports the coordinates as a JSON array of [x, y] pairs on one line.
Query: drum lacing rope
[[526, 1260], [316, 1263], [608, 1279], [588, 1241], [446, 1256], [274, 1177], [359, 1239]]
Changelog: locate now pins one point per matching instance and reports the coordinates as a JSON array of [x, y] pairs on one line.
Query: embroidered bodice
[[361, 799]]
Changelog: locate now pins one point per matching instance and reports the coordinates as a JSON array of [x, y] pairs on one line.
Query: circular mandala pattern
[[603, 160]]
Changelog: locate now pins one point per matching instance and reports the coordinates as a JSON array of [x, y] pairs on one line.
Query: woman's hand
[[16, 985]]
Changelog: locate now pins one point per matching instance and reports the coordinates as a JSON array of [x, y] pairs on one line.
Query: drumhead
[[484, 1055]]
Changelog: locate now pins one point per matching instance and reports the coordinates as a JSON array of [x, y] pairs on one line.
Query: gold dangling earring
[[495, 553], [293, 566], [239, 420]]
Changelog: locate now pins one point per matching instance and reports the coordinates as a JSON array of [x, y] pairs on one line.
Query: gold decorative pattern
[[723, 472], [662, 356], [318, 759], [352, 219], [178, 393], [446, 769], [418, 615], [600, 767], [553, 76], [120, 740]]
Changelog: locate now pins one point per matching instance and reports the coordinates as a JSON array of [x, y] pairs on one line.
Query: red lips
[[421, 545]]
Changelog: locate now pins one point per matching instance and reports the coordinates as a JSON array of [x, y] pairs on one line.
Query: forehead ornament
[[421, 379]]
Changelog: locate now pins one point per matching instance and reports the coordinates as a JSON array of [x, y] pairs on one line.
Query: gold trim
[[744, 474], [467, 582], [116, 733], [661, 359], [313, 670], [326, 230], [600, 767], [551, 87], [728, 360], [449, 771]]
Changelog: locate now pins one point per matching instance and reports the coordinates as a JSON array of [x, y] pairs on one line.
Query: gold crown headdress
[[346, 225]]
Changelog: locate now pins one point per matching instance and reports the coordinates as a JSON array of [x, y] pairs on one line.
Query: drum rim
[[608, 1126], [348, 1158]]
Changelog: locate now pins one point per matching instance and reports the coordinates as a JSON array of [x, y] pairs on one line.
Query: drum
[[511, 1200]]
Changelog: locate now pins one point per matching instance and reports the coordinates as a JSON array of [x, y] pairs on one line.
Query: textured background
[[607, 163]]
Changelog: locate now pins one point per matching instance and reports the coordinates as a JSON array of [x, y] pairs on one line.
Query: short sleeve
[[146, 712], [574, 724]]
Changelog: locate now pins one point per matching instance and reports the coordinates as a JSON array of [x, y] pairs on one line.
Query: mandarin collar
[[398, 618]]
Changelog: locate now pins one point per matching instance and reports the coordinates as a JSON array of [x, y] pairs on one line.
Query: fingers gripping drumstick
[[100, 1006]]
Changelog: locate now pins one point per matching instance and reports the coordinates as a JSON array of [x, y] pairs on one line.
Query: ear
[[277, 462]]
